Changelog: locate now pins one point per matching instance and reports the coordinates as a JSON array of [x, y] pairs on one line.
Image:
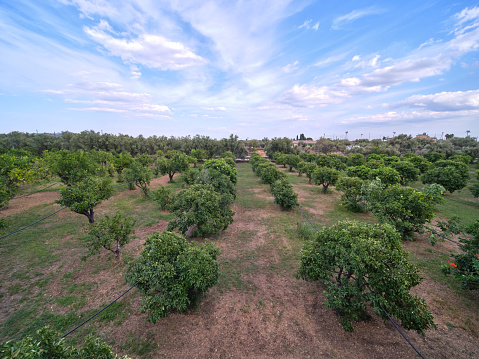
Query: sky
[[252, 68]]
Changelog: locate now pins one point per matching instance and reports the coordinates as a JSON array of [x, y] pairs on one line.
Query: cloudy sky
[[254, 68]]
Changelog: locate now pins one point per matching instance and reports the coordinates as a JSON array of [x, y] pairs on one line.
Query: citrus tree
[[405, 208], [326, 176], [175, 162], [202, 206], [172, 273], [82, 197], [284, 194], [452, 175], [138, 174], [364, 263], [111, 233]]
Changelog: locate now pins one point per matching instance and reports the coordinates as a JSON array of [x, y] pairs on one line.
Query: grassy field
[[258, 309]]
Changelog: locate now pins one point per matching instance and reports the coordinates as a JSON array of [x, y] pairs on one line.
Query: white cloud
[[308, 25], [305, 95], [220, 108], [354, 15], [290, 67], [444, 101], [110, 97], [466, 20], [153, 51]]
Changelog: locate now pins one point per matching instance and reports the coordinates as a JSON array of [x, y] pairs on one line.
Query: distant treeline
[[116, 144]]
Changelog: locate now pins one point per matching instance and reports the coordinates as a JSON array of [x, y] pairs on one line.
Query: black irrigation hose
[[26, 195], [308, 218], [94, 315], [21, 229], [463, 202], [392, 321], [443, 236]]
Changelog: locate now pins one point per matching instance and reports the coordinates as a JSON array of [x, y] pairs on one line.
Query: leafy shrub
[[359, 171], [407, 171], [326, 176], [356, 159], [452, 175], [203, 206], [403, 207], [111, 233], [139, 174], [82, 197], [172, 273], [434, 156], [352, 197], [351, 257], [284, 194], [162, 196], [387, 175], [465, 266], [46, 343], [270, 174]]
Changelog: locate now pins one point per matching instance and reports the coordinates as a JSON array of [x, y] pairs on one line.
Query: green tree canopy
[[202, 206], [177, 162], [452, 175], [111, 233], [172, 273], [326, 176], [353, 257], [82, 197]]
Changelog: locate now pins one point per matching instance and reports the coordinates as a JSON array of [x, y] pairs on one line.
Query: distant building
[[425, 136]]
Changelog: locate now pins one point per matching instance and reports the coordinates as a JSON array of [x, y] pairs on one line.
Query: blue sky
[[252, 68]]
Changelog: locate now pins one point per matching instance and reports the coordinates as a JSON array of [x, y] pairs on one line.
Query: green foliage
[[353, 257], [176, 162], [308, 169], [389, 160], [373, 157], [475, 189], [461, 157], [419, 162], [434, 156], [72, 167], [325, 176], [362, 172], [280, 158], [200, 155], [403, 207], [46, 343], [122, 161], [452, 175], [138, 174], [221, 182], [270, 174], [110, 233], [284, 194], [172, 273], [375, 164], [223, 167], [387, 175], [352, 197], [465, 266], [283, 145], [356, 159], [162, 196], [434, 192], [292, 161], [201, 205], [407, 171], [82, 197]]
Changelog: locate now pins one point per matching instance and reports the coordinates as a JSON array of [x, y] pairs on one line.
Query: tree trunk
[[171, 176]]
